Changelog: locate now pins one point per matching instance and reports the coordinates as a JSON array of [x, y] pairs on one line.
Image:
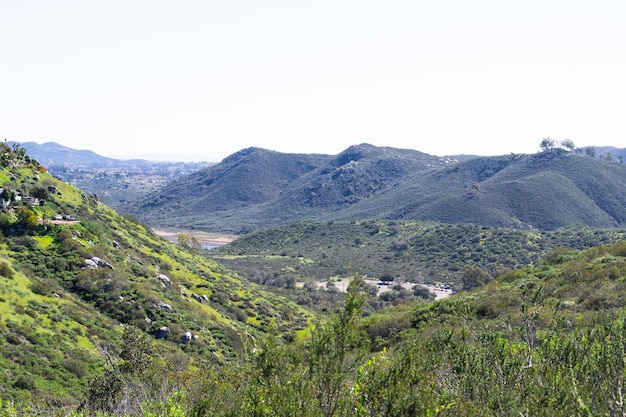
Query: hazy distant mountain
[[257, 188], [116, 181], [51, 153]]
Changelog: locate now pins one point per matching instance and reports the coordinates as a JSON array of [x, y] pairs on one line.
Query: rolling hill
[[256, 188]]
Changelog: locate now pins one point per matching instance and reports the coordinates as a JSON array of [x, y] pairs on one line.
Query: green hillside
[[547, 340], [72, 272], [430, 253], [256, 189]]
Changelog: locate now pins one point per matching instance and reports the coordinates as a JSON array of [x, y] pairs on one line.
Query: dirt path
[[205, 238]]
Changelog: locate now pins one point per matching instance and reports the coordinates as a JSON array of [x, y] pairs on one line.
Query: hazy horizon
[[211, 78]]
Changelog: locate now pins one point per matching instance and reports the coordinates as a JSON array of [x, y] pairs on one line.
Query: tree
[[26, 218], [118, 388], [7, 193], [335, 351], [608, 157], [386, 278], [547, 144], [184, 240], [40, 192], [189, 242], [568, 144], [590, 152], [474, 276]]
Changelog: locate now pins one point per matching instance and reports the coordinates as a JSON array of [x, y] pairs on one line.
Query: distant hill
[[116, 181], [606, 152], [256, 188], [52, 153]]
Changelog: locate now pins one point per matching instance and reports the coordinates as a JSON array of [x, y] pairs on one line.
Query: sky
[[200, 80]]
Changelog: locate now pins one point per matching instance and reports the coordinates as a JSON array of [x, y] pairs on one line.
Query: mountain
[[52, 153], [74, 274], [543, 191], [257, 188], [115, 181]]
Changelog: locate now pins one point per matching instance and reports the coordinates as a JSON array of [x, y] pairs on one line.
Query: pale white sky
[[208, 78]]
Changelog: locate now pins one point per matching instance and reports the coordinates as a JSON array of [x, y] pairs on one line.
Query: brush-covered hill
[[248, 178], [74, 274], [542, 191], [256, 188], [545, 340], [460, 255]]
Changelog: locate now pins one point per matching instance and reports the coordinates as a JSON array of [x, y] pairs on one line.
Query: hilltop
[[257, 188]]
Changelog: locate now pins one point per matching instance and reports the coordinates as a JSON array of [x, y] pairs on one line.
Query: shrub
[[6, 270], [25, 382]]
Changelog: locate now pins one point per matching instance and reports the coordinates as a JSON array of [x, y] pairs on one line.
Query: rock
[[165, 306], [163, 332], [186, 338], [200, 298], [90, 264], [164, 279], [95, 262]]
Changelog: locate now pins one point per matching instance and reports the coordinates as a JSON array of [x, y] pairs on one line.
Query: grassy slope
[[57, 314]]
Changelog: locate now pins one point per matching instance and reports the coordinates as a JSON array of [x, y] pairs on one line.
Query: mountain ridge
[[369, 182]]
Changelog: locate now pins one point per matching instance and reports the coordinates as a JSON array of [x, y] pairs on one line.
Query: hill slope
[[542, 191], [68, 285], [233, 195], [431, 253], [544, 340]]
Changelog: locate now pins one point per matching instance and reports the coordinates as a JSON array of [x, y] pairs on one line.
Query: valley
[[374, 282]]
